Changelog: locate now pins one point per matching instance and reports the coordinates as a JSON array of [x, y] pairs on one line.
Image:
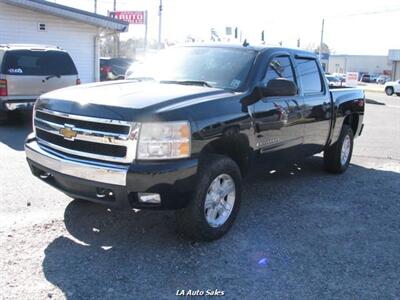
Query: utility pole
[[145, 31], [160, 8], [116, 35], [95, 6], [322, 39]]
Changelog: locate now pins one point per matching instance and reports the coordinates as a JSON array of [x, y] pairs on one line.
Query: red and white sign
[[351, 79], [132, 17]]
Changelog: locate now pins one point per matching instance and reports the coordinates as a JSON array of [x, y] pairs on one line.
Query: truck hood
[[131, 94]]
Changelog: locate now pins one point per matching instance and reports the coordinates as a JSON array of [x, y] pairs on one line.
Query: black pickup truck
[[186, 127]]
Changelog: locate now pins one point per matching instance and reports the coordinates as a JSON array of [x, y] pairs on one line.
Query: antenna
[[245, 43]]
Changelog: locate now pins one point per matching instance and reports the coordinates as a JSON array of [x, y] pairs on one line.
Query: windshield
[[225, 68]]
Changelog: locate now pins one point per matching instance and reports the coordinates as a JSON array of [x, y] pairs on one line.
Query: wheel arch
[[235, 146], [352, 120]]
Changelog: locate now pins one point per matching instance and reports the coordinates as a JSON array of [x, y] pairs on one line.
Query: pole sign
[[132, 17]]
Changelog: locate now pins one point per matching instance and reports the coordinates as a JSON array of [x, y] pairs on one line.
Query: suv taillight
[[105, 70], [3, 87], [78, 81]]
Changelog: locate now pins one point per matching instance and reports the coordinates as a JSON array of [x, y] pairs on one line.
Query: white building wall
[[20, 26], [394, 56], [373, 64], [396, 70]]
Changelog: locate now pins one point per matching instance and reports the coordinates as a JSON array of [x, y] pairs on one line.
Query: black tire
[[398, 94], [191, 220], [332, 156], [389, 91]]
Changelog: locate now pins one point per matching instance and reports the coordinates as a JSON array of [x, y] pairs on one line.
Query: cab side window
[[279, 67], [310, 76]]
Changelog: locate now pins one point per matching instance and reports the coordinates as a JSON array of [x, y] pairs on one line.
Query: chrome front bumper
[[84, 169]]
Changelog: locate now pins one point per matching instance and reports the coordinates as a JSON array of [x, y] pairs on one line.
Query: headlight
[[167, 140], [34, 116]]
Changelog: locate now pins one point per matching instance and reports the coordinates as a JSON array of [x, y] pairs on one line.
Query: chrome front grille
[[87, 137]]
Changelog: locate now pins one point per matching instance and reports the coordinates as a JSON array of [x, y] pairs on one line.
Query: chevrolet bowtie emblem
[[68, 132]]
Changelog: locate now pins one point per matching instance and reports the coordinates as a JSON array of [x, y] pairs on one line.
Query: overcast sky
[[351, 27]]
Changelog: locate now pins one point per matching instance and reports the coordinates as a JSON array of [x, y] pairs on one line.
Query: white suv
[[392, 87], [27, 71]]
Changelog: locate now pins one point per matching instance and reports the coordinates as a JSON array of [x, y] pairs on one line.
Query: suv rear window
[[27, 62]]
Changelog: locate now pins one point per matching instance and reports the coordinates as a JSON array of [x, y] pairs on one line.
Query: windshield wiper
[[140, 79], [187, 82], [52, 76]]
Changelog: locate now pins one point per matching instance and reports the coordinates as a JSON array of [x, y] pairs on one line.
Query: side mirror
[[279, 87]]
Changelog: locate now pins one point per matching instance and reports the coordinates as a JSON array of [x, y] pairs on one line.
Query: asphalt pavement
[[301, 233]]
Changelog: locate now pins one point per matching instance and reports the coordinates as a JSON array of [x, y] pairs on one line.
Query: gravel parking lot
[[301, 233]]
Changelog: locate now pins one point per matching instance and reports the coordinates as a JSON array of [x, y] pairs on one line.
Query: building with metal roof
[[43, 22]]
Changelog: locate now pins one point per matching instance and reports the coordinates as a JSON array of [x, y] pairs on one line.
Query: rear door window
[[309, 75], [27, 62]]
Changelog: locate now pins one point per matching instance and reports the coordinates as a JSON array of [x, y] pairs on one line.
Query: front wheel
[[398, 94], [216, 200], [389, 91], [337, 157]]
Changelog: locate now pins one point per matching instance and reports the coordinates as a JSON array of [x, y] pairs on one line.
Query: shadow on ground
[[13, 133], [301, 233]]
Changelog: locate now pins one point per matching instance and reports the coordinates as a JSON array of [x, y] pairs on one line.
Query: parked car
[[333, 80], [27, 71], [392, 87], [382, 79], [114, 68], [368, 78], [340, 76], [183, 136]]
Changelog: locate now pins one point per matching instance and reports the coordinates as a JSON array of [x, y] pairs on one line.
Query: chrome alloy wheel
[[220, 200], [345, 153]]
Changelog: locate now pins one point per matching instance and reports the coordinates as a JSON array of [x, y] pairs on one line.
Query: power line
[[366, 13]]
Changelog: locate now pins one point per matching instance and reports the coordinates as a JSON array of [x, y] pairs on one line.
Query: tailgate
[[63, 81], [31, 86]]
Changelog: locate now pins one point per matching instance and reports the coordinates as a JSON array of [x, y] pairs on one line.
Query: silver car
[[27, 71]]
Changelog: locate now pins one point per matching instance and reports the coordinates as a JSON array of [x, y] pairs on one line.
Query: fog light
[[44, 175], [104, 193], [11, 106], [149, 198]]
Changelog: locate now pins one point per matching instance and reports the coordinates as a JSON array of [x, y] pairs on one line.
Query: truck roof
[[258, 48]]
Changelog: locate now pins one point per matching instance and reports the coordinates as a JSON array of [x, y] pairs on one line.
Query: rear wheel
[[215, 203], [389, 91], [337, 157]]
